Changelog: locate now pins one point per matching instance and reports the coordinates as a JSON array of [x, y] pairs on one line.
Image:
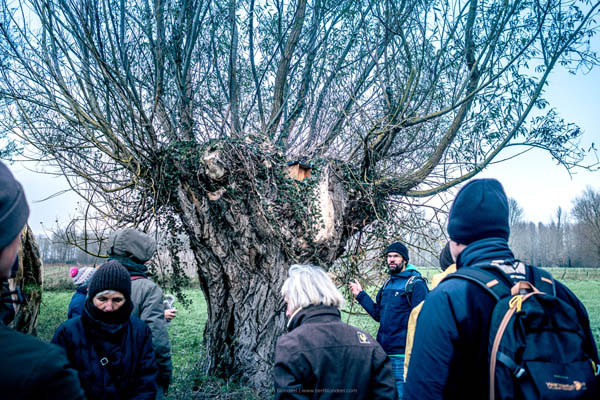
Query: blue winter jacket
[[450, 353], [392, 308], [130, 372], [77, 301]]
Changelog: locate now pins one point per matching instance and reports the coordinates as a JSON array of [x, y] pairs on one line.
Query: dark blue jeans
[[398, 366]]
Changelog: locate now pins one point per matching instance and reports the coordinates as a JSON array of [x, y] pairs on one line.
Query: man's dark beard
[[396, 268]]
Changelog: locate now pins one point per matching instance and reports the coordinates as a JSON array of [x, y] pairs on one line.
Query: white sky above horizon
[[538, 184]]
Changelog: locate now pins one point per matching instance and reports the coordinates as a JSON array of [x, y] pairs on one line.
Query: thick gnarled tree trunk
[[248, 222], [29, 281]]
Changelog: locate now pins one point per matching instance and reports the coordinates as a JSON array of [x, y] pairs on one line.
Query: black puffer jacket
[[32, 369], [130, 372], [322, 357]]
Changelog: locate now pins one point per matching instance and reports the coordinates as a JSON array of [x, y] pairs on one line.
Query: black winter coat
[[323, 358], [450, 353], [130, 372], [32, 369]]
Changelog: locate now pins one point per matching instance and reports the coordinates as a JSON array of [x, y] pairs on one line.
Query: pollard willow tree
[[183, 114]]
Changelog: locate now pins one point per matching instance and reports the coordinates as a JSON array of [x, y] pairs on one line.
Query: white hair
[[308, 284], [106, 292]]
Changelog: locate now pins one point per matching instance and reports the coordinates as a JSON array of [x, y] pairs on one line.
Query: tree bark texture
[[29, 281], [248, 222]]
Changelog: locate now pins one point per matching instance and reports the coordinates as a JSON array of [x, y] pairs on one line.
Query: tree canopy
[[415, 94]]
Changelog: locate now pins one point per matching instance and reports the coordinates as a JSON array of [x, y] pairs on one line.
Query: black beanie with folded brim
[[110, 276], [479, 211], [14, 210], [399, 248]]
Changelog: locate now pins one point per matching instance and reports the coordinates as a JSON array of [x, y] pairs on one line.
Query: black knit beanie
[[446, 257], [110, 276], [398, 248], [479, 211], [13, 207]]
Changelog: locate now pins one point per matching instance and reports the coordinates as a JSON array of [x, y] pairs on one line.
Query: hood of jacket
[[83, 289], [484, 250]]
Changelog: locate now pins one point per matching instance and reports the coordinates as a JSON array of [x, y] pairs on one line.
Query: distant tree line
[[569, 240], [64, 246], [54, 249]]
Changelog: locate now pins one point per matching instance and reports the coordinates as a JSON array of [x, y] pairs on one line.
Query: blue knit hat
[[399, 248], [479, 211]]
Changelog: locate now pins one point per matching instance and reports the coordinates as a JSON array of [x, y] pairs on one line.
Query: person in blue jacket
[[404, 290], [450, 352], [110, 349], [81, 277]]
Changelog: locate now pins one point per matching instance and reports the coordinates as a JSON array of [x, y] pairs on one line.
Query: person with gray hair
[[321, 356]]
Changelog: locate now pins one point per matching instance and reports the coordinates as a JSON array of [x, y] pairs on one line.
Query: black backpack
[[536, 343]]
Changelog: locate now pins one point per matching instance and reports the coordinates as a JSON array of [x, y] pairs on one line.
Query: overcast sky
[[533, 179]]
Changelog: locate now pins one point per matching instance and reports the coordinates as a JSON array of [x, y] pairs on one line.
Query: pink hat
[[81, 276]]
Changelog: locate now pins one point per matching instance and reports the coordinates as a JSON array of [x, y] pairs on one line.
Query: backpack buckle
[[519, 372], [104, 361]]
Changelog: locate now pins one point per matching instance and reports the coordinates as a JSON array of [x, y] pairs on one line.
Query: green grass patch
[[185, 334], [53, 312], [57, 278], [186, 330], [588, 292]]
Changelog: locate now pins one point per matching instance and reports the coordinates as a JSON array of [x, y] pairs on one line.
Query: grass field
[[186, 330]]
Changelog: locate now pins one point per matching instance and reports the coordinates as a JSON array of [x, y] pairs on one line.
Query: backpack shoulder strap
[[408, 288], [542, 280], [410, 285], [385, 283], [485, 279], [380, 292], [412, 281]]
